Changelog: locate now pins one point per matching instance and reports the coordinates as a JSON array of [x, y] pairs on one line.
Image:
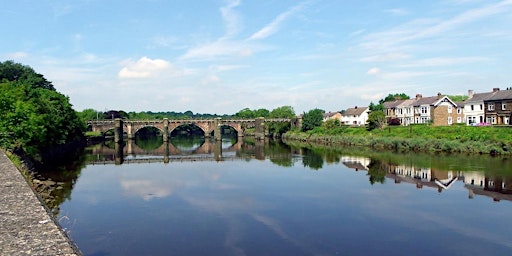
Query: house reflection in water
[[356, 162], [498, 188], [477, 183]]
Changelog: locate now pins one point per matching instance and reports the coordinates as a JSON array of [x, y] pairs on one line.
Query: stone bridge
[[166, 126], [129, 152]]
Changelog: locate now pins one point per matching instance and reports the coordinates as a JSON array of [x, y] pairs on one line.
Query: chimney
[[356, 107], [418, 96], [439, 95], [470, 94], [495, 89]]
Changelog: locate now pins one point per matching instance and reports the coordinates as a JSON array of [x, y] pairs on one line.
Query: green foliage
[[281, 112], [393, 97], [33, 116], [390, 97], [90, 114], [458, 98], [376, 120], [312, 119], [468, 139], [23, 75], [378, 107], [331, 124]]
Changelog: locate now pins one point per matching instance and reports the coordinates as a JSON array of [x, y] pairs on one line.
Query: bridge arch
[[205, 127], [138, 128]]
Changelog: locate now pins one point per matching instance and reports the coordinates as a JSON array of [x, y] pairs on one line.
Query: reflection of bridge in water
[[167, 152]]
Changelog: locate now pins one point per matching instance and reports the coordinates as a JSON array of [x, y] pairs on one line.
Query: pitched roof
[[392, 104], [425, 101], [330, 114], [479, 97], [501, 95], [357, 111], [406, 103]]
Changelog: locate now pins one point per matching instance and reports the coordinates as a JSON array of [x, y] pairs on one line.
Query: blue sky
[[221, 56]]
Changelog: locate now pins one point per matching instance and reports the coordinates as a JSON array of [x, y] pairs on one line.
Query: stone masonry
[[26, 227]]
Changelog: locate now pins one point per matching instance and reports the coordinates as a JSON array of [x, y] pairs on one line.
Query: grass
[[456, 138]]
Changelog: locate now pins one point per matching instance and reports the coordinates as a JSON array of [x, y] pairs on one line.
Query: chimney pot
[[495, 89], [470, 94]]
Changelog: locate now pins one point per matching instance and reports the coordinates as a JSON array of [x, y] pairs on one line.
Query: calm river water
[[192, 197]]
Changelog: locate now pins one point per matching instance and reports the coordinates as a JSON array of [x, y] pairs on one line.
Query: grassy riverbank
[[421, 138]]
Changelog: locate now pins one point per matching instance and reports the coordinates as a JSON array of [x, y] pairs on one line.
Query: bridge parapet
[[131, 127]]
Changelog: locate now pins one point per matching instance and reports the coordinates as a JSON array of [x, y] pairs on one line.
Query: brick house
[[332, 116], [438, 110], [498, 107]]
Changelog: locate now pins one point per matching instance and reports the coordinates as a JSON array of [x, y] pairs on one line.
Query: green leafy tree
[[312, 159], [89, 114], [34, 117], [331, 124], [276, 128], [261, 112], [376, 120], [245, 113], [312, 119], [376, 172], [393, 97]]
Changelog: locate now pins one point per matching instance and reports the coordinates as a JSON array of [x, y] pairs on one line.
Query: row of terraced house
[[490, 108]]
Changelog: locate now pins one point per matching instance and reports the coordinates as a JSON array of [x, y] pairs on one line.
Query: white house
[[355, 116], [474, 111]]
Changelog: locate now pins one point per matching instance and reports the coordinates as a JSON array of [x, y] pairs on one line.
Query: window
[[472, 107], [490, 107], [449, 109], [459, 110], [424, 110], [449, 120], [503, 106], [481, 107], [459, 120]]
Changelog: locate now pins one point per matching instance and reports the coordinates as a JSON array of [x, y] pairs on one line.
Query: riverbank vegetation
[[421, 138], [35, 119]]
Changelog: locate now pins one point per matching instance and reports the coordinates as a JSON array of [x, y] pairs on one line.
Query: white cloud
[[220, 48], [391, 56], [231, 18], [444, 61], [146, 67], [273, 26], [17, 55], [397, 11], [373, 71]]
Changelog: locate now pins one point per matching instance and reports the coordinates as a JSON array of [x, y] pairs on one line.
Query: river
[[196, 197]]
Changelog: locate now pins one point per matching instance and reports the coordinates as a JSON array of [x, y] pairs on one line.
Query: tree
[[376, 120], [393, 97], [278, 128], [312, 119], [378, 107], [261, 112], [15, 72], [331, 124], [282, 112], [90, 114], [245, 113], [34, 117]]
